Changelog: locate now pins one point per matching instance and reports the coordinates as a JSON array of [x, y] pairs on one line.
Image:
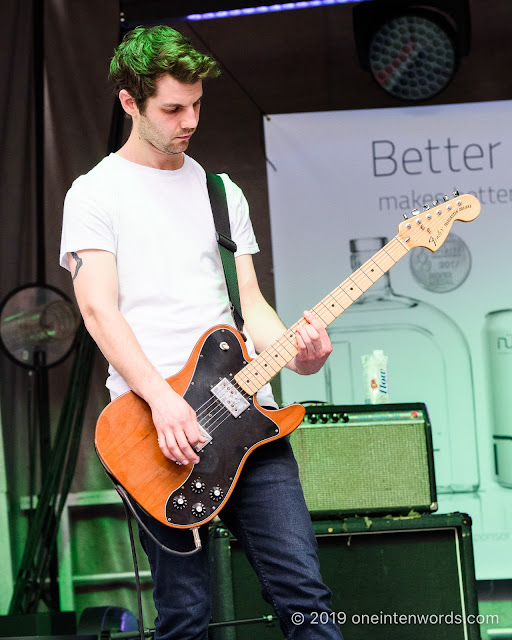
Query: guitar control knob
[[216, 494], [179, 502], [198, 509], [198, 486]]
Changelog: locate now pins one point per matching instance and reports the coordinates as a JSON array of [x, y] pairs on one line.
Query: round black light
[[413, 56]]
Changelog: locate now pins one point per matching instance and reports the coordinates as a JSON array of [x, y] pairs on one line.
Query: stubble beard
[[150, 134]]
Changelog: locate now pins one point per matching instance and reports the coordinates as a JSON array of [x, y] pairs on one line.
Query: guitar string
[[221, 416], [213, 417], [216, 411], [219, 420], [206, 406], [219, 400], [216, 419]]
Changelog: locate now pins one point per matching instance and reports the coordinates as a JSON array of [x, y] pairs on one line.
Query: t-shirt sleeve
[[240, 222], [87, 223]]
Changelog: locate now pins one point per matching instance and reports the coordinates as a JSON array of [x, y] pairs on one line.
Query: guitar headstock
[[430, 227]]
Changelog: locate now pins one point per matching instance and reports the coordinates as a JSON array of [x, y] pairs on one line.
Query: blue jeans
[[267, 514]]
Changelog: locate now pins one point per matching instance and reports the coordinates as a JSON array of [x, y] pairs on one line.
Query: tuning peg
[[415, 212], [455, 193], [426, 207], [435, 203], [405, 217], [445, 198]]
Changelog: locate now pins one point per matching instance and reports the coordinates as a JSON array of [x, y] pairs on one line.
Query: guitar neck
[[269, 362]]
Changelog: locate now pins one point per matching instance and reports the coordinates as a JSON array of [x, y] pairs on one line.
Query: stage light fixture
[[266, 8], [412, 49], [135, 12]]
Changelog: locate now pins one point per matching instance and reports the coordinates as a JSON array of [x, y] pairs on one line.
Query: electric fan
[[38, 325]]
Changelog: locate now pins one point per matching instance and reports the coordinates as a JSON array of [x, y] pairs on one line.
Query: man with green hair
[[147, 296]]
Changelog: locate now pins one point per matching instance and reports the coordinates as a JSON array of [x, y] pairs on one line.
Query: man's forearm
[[119, 345], [262, 324]]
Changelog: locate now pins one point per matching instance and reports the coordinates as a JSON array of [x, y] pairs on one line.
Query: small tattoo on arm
[[79, 263]]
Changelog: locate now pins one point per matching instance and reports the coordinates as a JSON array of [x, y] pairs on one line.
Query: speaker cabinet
[[366, 459], [400, 578], [45, 624]]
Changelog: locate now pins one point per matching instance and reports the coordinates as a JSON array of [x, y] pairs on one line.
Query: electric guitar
[[220, 382]]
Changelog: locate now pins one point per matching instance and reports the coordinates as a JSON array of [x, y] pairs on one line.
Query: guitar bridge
[[202, 445], [230, 397]]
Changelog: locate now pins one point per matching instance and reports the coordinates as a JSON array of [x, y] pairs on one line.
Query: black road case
[[397, 577]]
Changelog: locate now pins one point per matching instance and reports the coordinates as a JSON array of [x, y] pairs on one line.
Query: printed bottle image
[[375, 377], [428, 361], [499, 350]]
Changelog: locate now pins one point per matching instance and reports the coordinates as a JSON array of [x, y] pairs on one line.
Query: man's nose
[[189, 119]]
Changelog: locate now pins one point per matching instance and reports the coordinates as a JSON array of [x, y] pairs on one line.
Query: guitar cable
[[128, 505], [140, 621], [130, 510]]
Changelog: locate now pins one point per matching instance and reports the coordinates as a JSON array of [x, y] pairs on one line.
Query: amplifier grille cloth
[[362, 466]]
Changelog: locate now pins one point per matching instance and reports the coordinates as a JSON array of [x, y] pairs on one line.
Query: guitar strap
[[227, 247]]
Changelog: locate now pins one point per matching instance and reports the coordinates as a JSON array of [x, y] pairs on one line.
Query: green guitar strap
[[227, 247]]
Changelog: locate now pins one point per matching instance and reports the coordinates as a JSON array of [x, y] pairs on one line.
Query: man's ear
[[128, 103]]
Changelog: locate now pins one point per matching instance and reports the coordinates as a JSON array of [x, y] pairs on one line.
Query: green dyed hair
[[146, 53]]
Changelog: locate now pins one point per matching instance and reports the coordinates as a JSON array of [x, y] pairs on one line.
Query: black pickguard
[[211, 479]]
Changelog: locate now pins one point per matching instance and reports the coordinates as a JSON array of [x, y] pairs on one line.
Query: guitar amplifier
[[366, 459]]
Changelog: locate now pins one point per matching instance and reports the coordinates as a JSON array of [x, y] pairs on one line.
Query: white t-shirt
[[160, 227]]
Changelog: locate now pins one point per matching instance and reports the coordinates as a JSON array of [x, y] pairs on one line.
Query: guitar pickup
[[202, 445], [230, 397]]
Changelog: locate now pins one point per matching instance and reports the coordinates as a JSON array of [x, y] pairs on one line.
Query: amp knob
[[179, 502], [216, 494], [198, 486], [198, 509]]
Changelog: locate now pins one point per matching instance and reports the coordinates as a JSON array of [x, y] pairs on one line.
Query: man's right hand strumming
[[176, 425]]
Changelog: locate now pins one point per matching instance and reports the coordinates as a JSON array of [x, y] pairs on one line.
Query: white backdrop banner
[[339, 184]]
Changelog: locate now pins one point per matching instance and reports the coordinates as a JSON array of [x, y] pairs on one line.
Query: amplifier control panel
[[326, 414]]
